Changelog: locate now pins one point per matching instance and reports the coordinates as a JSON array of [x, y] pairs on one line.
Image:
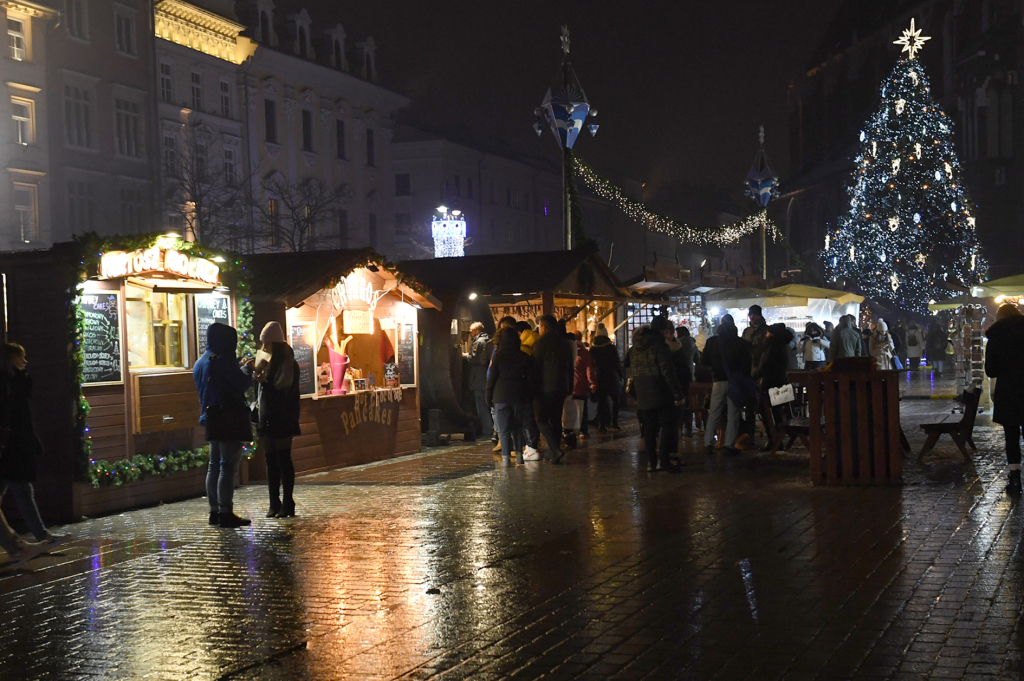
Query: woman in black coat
[[20, 443], [277, 400], [608, 370], [772, 371], [1004, 363], [509, 393]]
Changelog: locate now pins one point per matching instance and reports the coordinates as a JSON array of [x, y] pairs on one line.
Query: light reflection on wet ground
[[442, 566]]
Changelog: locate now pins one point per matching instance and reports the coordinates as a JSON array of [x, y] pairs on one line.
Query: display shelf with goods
[[968, 339]]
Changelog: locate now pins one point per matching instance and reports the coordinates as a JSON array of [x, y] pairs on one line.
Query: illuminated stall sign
[[117, 264]]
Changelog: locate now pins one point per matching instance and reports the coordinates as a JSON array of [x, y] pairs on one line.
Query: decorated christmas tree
[[909, 236]]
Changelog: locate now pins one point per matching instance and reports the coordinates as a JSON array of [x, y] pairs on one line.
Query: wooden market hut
[[571, 285], [319, 294]]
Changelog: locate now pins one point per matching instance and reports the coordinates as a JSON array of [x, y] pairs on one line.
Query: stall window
[[156, 328]]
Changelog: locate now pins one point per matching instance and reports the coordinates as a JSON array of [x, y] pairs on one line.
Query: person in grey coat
[[846, 340]]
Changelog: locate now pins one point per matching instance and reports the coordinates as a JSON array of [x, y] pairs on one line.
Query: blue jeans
[[25, 500], [220, 477], [483, 413], [719, 403], [512, 421]]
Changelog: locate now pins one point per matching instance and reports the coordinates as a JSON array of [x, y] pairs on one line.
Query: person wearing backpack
[[221, 381], [277, 401]]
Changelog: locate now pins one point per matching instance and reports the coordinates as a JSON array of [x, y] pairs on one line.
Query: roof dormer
[[336, 44], [298, 28], [366, 57], [265, 33]]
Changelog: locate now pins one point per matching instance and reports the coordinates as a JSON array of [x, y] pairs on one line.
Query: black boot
[[232, 520], [1013, 486], [214, 518]]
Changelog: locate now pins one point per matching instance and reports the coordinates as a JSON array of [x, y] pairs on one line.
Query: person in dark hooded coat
[[217, 374], [1004, 363], [608, 369], [21, 445], [771, 372]]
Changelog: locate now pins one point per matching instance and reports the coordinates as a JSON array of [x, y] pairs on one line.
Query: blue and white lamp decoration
[[449, 232]]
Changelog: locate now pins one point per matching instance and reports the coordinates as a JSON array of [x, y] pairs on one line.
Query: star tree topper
[[912, 40]]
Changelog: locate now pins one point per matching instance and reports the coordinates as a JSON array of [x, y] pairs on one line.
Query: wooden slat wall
[[160, 395], [325, 443], [179, 485], [107, 422]]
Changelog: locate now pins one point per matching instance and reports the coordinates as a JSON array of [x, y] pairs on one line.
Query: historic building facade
[[974, 61], [102, 124], [283, 123], [25, 144]]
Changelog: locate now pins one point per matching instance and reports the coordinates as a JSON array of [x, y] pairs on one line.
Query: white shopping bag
[[570, 414], [782, 395]]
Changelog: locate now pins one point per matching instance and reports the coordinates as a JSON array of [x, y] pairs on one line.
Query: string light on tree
[[925, 226]]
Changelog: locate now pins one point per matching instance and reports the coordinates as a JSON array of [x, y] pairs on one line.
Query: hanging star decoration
[[921, 259], [894, 281], [912, 40], [901, 104], [894, 224]]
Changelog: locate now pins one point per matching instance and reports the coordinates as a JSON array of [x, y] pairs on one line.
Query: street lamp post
[[565, 111], [762, 187]]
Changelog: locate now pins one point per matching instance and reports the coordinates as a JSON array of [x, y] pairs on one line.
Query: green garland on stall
[[140, 466], [85, 255]]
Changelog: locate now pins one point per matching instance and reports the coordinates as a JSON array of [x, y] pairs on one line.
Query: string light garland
[[141, 466], [721, 235], [909, 234]]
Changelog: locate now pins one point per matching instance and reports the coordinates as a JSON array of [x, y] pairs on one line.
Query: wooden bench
[[960, 429]]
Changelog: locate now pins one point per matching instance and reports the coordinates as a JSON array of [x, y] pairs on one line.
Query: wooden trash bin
[[854, 420]]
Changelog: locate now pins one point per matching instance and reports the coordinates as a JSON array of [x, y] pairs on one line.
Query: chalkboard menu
[[405, 354], [101, 342], [302, 345], [210, 308]]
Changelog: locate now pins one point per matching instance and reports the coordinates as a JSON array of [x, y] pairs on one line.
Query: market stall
[[571, 285], [112, 328], [351, 319], [793, 305]]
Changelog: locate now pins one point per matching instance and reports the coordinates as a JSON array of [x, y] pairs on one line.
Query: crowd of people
[[527, 382]]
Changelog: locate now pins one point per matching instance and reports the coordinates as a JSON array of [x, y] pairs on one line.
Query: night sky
[[680, 87]]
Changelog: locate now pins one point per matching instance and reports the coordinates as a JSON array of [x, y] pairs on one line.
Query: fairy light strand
[[721, 235]]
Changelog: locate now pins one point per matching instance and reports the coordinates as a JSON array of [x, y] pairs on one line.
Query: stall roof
[[292, 277], [841, 297], [561, 272], [954, 303], [1007, 286], [745, 297]]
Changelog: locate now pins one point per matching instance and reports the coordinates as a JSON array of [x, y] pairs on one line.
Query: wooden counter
[[348, 430]]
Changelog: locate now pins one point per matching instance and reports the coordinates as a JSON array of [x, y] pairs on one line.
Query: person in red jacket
[[584, 382]]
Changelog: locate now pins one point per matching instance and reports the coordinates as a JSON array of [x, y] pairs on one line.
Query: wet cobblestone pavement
[[442, 566]]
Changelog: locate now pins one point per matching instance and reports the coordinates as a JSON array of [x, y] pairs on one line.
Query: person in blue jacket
[[216, 373]]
